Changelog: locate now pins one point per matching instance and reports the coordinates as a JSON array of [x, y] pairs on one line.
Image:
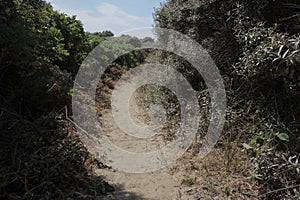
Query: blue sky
[[115, 15]]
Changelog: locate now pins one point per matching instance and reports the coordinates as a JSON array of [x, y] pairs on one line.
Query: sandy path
[[157, 185], [190, 178]]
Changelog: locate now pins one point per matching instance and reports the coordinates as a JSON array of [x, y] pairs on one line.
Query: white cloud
[[108, 9], [108, 17]]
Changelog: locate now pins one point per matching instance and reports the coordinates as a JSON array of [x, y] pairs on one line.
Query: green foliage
[[255, 45], [204, 21], [74, 41], [34, 40], [40, 52], [227, 191], [269, 60], [265, 51], [275, 140], [103, 34]]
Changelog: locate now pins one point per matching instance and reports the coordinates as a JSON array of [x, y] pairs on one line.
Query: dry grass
[[44, 159]]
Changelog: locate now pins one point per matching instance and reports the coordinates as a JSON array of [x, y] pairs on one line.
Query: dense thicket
[[40, 155], [255, 44], [38, 45]]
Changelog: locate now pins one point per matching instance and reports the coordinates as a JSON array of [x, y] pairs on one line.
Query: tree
[[104, 34]]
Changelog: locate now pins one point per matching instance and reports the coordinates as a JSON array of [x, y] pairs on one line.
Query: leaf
[[247, 146], [257, 140], [283, 136], [280, 49], [284, 55], [293, 53]]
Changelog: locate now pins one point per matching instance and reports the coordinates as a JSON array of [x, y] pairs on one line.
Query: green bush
[[255, 45]]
